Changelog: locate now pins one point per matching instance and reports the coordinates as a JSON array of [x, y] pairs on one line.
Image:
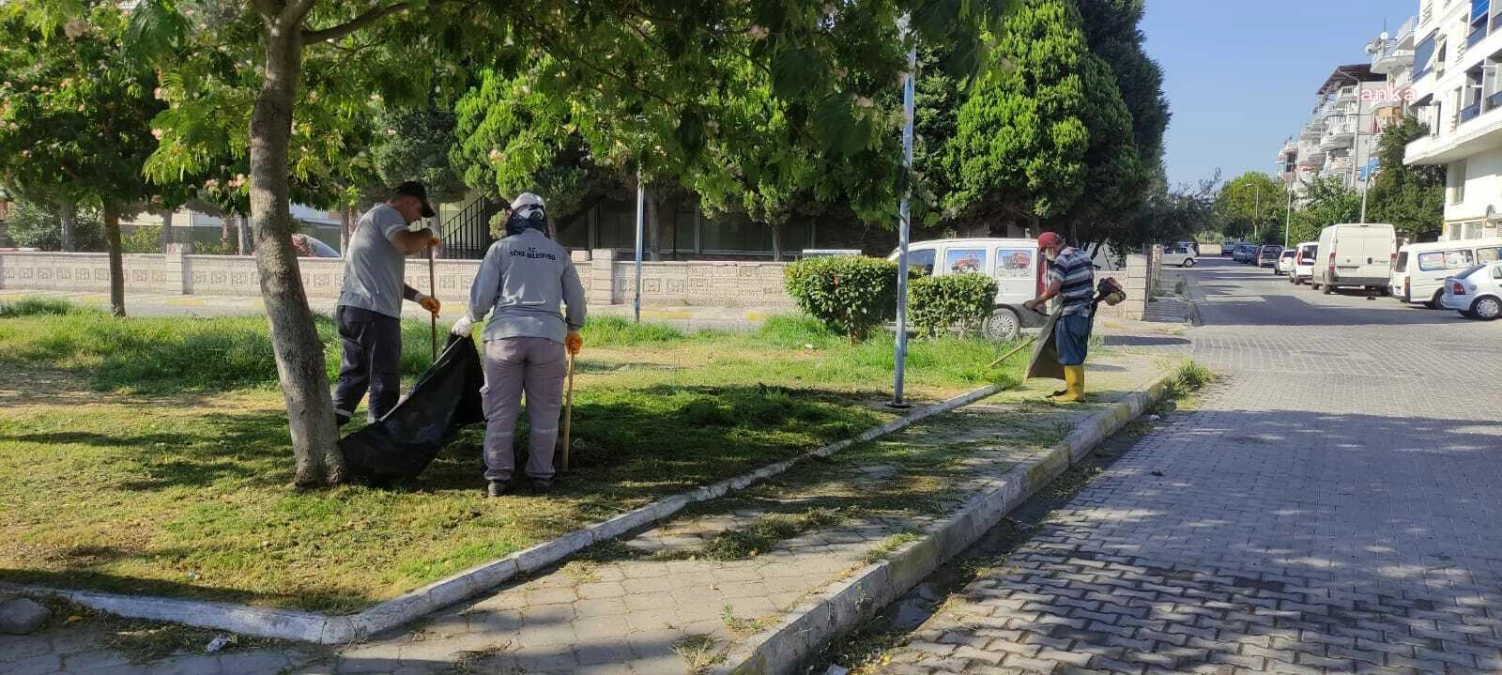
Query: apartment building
[[1340, 139], [1458, 95], [1351, 108]]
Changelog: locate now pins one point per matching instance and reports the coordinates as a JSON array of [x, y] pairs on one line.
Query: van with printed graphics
[[1355, 255], [1015, 264]]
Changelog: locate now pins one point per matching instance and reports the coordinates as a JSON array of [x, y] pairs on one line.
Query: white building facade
[[1355, 103], [1456, 64]]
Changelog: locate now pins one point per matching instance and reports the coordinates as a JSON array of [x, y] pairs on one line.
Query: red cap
[[1048, 239]]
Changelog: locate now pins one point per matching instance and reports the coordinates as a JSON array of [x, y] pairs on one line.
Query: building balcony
[[1392, 60], [1312, 131], [1386, 104], [1346, 97], [1338, 138], [1451, 141], [1470, 112]]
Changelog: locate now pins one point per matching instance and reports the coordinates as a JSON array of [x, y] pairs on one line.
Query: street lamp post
[[903, 226]]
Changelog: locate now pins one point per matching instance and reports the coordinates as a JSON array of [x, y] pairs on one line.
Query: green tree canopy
[[75, 117], [1411, 198], [1042, 129], [1326, 202], [1252, 206]]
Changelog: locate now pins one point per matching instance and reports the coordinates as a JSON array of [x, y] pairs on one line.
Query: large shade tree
[[300, 66], [1042, 130], [75, 118], [1253, 206], [1410, 197]]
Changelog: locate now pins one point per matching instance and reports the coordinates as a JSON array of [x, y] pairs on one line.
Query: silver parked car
[[1476, 293], [1178, 254]]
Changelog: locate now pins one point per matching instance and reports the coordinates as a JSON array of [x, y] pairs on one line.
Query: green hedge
[[936, 303], [848, 295]]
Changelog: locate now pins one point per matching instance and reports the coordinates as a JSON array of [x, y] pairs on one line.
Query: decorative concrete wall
[[606, 280], [698, 284]]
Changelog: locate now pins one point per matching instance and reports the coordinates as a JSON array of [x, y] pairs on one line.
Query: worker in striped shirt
[[1071, 279]]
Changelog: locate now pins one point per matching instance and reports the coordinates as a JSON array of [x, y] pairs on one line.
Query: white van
[[1304, 260], [1419, 271], [1353, 255], [1016, 264]]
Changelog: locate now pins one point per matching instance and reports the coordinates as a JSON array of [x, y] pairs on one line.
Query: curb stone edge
[[844, 604]]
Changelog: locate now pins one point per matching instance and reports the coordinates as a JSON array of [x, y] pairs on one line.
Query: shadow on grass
[[657, 440], [247, 450]]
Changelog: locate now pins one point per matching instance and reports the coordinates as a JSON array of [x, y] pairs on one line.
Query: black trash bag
[[404, 442]]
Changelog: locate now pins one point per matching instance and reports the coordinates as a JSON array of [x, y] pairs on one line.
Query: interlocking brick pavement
[[1330, 507]]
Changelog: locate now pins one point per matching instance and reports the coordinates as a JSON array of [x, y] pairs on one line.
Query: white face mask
[[1051, 254]]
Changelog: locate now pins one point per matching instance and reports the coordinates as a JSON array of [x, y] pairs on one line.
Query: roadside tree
[[299, 66], [75, 119], [1411, 198]]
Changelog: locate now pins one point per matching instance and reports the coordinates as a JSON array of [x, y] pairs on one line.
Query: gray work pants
[[536, 366]]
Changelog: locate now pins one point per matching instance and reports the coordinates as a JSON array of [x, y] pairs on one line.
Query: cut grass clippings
[[151, 456]]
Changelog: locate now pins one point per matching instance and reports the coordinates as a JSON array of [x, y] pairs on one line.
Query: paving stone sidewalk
[[661, 601], [1324, 510]]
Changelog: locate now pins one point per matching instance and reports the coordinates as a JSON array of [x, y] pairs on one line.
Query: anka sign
[[1388, 93]]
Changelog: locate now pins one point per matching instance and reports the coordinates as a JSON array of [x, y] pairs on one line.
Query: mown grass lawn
[[151, 455]]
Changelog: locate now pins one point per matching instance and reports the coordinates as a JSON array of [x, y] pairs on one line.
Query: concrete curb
[[843, 605], [324, 629]]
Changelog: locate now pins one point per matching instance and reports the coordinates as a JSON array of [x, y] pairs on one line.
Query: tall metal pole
[[903, 230], [1367, 180], [1257, 223], [1288, 214], [640, 240]]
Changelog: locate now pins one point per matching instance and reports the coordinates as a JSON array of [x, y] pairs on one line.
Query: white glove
[[464, 327]]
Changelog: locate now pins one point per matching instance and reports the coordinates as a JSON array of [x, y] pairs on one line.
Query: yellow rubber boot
[[1074, 385]]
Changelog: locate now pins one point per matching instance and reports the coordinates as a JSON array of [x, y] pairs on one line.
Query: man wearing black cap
[[370, 304]]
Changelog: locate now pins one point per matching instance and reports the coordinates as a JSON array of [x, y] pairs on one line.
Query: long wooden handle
[[1016, 349], [433, 293], [568, 414]]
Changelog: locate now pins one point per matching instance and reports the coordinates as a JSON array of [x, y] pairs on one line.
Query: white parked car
[[1303, 264], [1285, 262], [1180, 255], [1476, 293]]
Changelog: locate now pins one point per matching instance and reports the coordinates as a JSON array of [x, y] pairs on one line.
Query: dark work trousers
[[372, 360]]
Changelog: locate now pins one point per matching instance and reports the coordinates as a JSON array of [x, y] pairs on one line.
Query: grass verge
[[150, 456]]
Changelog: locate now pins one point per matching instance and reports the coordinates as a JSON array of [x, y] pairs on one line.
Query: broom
[[568, 415]]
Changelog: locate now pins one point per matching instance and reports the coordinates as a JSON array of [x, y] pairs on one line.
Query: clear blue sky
[[1241, 76]]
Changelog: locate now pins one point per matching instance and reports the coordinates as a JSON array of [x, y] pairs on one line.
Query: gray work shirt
[[374, 270], [523, 284]]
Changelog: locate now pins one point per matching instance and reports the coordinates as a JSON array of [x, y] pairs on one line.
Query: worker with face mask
[[524, 284], [1071, 279]]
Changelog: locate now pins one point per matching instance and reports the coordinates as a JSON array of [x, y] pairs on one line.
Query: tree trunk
[[68, 212], [117, 262], [346, 224], [299, 352], [243, 234], [166, 230], [654, 229], [776, 241], [226, 226]]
